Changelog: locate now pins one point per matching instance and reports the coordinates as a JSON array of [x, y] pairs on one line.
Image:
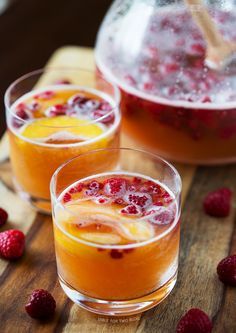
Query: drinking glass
[[52, 116], [116, 229]]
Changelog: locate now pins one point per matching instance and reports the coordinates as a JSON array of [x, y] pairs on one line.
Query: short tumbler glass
[[52, 116], [116, 229]]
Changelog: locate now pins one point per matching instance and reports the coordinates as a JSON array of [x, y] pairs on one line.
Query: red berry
[[93, 188], [194, 321], [45, 95], [131, 210], [67, 197], [76, 189], [41, 304], [217, 203], [56, 110], [3, 216], [12, 244], [140, 199], [115, 186], [226, 270], [22, 114], [116, 254]]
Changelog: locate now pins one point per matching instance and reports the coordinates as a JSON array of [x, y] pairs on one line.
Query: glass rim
[[54, 196], [116, 98]]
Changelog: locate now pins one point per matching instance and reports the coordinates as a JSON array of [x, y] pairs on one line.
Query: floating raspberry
[[226, 270], [161, 216], [45, 95], [12, 244], [3, 216], [115, 187], [93, 188], [194, 321], [217, 203], [116, 254], [56, 110], [23, 114], [78, 100], [41, 304], [67, 197], [140, 199], [76, 189], [131, 210]]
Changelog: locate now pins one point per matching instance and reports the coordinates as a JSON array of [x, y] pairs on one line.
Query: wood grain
[[204, 242]]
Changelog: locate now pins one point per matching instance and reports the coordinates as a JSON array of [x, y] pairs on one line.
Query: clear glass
[[33, 159], [104, 277], [171, 102]]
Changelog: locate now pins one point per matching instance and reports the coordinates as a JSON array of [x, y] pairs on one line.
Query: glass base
[[119, 308], [40, 204]]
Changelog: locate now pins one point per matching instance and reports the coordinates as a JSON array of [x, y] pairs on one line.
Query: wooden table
[[204, 241]]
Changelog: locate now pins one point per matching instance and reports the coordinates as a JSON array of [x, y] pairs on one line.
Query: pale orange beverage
[[54, 123], [117, 241]]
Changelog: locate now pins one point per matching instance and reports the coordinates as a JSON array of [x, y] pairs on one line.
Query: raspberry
[[116, 254], [160, 217], [45, 95], [131, 210], [93, 188], [41, 304], [194, 321], [56, 110], [3, 216], [76, 189], [226, 270], [115, 186], [66, 197], [12, 244], [22, 114], [217, 203], [140, 199]]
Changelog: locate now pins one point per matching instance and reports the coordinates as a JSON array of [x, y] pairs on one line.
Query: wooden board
[[204, 241]]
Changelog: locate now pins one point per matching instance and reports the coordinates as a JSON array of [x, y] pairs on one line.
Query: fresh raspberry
[[22, 114], [45, 95], [56, 110], [12, 244], [217, 203], [115, 186], [67, 197], [131, 210], [76, 189], [160, 217], [93, 187], [116, 254], [194, 321], [3, 216], [41, 304], [138, 198], [226, 270]]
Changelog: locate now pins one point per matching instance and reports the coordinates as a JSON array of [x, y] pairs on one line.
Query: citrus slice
[[89, 213], [137, 230], [101, 238], [61, 128]]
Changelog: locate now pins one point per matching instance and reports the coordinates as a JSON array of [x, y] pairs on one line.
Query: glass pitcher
[[172, 102]]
